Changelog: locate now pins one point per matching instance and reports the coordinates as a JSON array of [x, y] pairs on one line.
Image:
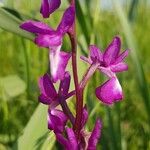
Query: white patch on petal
[[117, 86], [55, 60]]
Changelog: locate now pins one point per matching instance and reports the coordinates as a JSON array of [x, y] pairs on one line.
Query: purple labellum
[[49, 6], [110, 92]]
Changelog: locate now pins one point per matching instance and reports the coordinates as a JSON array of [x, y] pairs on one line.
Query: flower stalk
[[108, 62]]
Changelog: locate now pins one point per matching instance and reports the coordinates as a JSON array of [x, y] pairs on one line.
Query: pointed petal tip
[[48, 7]]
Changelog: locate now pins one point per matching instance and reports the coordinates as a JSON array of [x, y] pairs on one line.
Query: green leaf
[[82, 21], [35, 135], [12, 85], [10, 22]]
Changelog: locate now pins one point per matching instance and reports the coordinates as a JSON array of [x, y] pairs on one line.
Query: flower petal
[[64, 85], [67, 20], [45, 99], [121, 57], [36, 27], [58, 63], [63, 141], [49, 6], [47, 88], [119, 67], [95, 53], [85, 116], [112, 51], [96, 133], [56, 120], [72, 138], [87, 60], [46, 40], [110, 91]]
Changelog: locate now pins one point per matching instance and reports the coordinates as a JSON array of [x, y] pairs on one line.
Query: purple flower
[[48, 95], [47, 37], [56, 120], [110, 62], [49, 6], [71, 141]]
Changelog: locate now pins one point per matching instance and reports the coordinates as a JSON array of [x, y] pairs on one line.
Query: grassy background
[[125, 125]]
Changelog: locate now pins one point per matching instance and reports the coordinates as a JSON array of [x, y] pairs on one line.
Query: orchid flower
[[74, 144], [48, 7], [56, 118], [110, 62], [49, 95], [47, 37]]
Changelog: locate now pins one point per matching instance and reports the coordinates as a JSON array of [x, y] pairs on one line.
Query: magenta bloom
[[110, 62], [47, 37], [49, 6], [72, 143], [48, 95], [56, 120]]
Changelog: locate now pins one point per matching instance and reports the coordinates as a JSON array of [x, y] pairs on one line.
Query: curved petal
[[121, 56], [56, 120], [46, 40], [87, 60], [58, 63], [49, 6], [84, 116], [110, 91], [96, 133], [112, 51], [95, 53], [47, 88], [65, 84], [119, 67], [67, 20], [72, 138], [36, 27], [45, 99]]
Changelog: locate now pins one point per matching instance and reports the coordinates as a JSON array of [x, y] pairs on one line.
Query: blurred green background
[[126, 125]]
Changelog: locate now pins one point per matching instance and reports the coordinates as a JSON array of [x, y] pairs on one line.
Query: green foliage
[[23, 122]]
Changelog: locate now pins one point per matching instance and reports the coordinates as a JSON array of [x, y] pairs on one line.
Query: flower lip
[[110, 92]]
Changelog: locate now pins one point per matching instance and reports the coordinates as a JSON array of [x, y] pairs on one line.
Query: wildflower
[[110, 62], [48, 95], [47, 37], [49, 6], [72, 143], [56, 120]]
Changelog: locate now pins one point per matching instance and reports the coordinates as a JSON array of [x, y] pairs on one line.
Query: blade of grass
[[35, 129], [82, 21], [9, 22], [142, 82]]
